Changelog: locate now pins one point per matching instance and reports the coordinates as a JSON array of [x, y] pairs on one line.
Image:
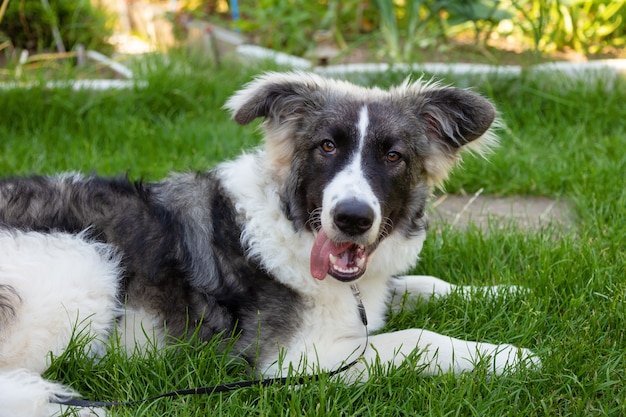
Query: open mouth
[[345, 261]]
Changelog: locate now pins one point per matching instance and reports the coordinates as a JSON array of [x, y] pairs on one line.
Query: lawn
[[563, 140]]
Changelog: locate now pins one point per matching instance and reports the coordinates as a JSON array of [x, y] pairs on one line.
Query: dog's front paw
[[506, 358], [494, 291]]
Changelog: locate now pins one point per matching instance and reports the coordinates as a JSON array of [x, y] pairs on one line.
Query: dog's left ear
[[456, 117], [453, 120]]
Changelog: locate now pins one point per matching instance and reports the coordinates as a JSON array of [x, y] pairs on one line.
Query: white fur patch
[[67, 287], [351, 184], [362, 125]]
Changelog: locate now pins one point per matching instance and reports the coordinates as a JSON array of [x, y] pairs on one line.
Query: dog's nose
[[353, 217]]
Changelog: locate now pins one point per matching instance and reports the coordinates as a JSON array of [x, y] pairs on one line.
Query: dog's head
[[356, 164]]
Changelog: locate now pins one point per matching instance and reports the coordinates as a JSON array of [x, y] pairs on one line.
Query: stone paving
[[532, 213]]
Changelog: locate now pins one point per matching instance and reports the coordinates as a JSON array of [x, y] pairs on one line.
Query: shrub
[[28, 25]]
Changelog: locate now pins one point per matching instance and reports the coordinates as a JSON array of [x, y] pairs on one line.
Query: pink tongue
[[320, 251]]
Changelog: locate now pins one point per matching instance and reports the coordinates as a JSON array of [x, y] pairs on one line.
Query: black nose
[[353, 217]]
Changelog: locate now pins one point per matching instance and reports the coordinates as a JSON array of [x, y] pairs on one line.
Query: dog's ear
[[456, 117], [282, 100], [453, 120], [275, 97]]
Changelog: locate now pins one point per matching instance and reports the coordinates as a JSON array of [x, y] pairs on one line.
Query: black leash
[[209, 390], [201, 390]]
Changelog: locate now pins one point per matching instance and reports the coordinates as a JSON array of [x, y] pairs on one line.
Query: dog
[[280, 247]]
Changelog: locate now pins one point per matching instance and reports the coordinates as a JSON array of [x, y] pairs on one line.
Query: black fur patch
[[9, 302]]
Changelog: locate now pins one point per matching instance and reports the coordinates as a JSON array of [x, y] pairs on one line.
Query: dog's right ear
[[277, 97], [282, 99]]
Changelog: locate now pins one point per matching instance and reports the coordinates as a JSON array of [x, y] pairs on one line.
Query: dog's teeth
[[360, 261], [346, 270], [332, 258]]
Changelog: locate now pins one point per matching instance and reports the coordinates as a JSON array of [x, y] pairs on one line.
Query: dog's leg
[[435, 354], [439, 353], [419, 286], [408, 288]]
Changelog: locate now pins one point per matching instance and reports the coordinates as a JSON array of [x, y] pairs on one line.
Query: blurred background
[[36, 33]]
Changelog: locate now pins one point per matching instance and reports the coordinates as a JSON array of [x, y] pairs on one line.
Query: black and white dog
[[269, 246]]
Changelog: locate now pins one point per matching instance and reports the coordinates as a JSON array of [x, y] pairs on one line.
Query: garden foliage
[[28, 24], [402, 27]]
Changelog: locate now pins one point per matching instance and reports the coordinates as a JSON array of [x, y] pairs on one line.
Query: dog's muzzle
[[346, 259]]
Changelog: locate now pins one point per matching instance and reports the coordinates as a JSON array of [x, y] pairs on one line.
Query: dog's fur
[[264, 247]]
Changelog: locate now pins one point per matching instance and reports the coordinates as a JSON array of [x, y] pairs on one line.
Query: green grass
[[561, 142]]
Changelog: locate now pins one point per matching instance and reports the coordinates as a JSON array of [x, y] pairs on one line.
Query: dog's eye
[[393, 156], [329, 147]]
